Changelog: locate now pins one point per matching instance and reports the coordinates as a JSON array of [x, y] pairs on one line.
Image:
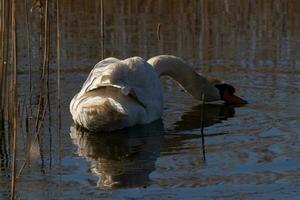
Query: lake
[[251, 151]]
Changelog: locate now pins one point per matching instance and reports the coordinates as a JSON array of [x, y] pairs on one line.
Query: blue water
[[252, 152]]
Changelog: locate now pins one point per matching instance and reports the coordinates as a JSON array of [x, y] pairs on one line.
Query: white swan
[[123, 93]]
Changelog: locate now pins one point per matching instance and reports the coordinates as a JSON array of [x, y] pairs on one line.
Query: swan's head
[[227, 94]]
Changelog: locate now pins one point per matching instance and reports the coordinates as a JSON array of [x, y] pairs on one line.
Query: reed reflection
[[124, 158]]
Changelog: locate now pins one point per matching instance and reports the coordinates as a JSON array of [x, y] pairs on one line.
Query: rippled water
[[252, 152]]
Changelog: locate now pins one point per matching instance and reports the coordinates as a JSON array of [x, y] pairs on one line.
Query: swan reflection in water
[[126, 158]]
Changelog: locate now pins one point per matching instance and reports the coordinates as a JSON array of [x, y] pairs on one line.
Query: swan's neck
[[192, 82]]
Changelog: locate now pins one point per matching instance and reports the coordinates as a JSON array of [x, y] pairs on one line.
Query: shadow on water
[[123, 158]]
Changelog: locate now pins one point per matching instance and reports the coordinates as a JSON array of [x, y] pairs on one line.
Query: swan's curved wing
[[96, 72], [133, 76]]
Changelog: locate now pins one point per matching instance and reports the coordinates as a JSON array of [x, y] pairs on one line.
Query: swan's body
[[123, 93], [118, 94]]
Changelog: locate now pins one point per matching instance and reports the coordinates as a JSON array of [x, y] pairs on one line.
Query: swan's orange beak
[[232, 99]]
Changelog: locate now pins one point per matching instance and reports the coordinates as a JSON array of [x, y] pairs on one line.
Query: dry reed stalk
[[41, 103], [1, 49], [6, 20], [14, 59], [102, 29], [28, 33], [48, 89], [202, 127], [21, 169], [21, 111], [2, 67], [28, 139], [45, 46], [28, 117], [158, 31], [38, 131], [5, 86], [50, 120], [36, 139], [58, 74]]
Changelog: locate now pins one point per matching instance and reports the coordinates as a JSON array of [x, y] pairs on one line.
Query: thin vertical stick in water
[[1, 51], [5, 80], [45, 51], [58, 74], [22, 104], [29, 54], [4, 42], [28, 139], [45, 76], [49, 120], [58, 62], [158, 31], [102, 29], [2, 75], [42, 100], [58, 86], [202, 127], [6, 23], [14, 58], [48, 91], [37, 137]]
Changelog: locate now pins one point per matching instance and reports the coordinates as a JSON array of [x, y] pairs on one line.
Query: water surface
[[252, 152]]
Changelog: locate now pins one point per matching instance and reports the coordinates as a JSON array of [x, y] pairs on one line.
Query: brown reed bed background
[[19, 114], [209, 30]]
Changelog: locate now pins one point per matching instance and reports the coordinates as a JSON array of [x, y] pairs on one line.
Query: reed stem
[[102, 29], [1, 50], [158, 31], [202, 127], [15, 110], [58, 73], [29, 54]]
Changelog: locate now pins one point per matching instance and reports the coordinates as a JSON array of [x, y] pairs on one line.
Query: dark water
[[252, 152]]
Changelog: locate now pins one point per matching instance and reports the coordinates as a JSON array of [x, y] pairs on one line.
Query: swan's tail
[[105, 114]]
